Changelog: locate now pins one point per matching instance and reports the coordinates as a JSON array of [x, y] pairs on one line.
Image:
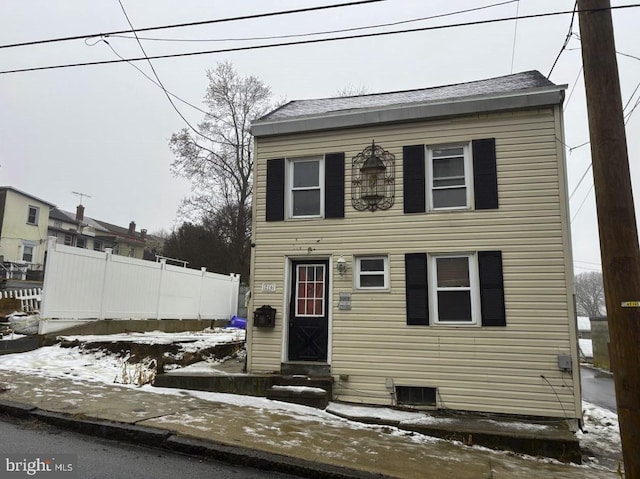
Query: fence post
[[234, 286], [203, 273], [107, 259], [163, 263]]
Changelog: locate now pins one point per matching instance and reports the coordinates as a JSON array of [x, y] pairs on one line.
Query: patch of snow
[[601, 429], [586, 348], [299, 389], [584, 323]]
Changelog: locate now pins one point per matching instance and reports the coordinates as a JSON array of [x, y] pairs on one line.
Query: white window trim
[[37, 210], [474, 283], [468, 176], [290, 188], [358, 273]]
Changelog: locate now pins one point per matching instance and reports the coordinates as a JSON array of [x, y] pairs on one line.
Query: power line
[[155, 74], [326, 32], [305, 42], [515, 32], [566, 40], [573, 88], [151, 79], [580, 182], [192, 24], [582, 204]]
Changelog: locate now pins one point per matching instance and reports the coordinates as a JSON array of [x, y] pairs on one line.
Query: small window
[[27, 253], [416, 395], [57, 224], [32, 216], [68, 240], [81, 242], [449, 172], [97, 245], [372, 272], [305, 186], [454, 290]]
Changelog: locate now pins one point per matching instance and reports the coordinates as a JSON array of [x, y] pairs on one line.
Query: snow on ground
[[101, 367]]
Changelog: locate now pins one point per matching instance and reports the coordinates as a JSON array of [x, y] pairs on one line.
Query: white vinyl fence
[[81, 284], [29, 298]]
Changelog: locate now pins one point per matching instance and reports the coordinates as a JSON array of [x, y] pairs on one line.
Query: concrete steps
[[308, 391]]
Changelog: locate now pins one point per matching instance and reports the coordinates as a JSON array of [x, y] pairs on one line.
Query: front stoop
[[308, 391]]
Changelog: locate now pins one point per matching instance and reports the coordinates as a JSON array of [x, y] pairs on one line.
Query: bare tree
[[590, 294], [352, 90], [218, 158]]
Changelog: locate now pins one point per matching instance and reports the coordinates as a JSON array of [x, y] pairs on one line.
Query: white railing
[[82, 284], [29, 298]]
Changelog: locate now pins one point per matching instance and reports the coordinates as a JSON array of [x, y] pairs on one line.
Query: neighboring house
[[128, 242], [23, 232], [78, 230], [85, 232], [415, 246], [600, 339]]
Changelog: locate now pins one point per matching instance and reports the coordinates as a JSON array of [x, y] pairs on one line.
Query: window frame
[[24, 252], [291, 189], [70, 242], [474, 289], [81, 242], [36, 215], [358, 273], [468, 176]]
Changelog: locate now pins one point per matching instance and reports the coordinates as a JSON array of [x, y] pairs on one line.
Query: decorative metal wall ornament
[[373, 179]]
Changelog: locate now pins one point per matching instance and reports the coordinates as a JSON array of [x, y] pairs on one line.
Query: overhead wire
[[193, 24], [325, 32], [566, 40], [515, 33], [304, 42], [155, 74], [582, 204]]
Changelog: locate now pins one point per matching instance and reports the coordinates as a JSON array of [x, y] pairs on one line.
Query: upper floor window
[[306, 180], [372, 272], [455, 293], [33, 215], [81, 242], [97, 245], [68, 240], [449, 171], [57, 224]]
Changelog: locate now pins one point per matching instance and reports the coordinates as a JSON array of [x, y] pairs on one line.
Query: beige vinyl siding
[[494, 369]]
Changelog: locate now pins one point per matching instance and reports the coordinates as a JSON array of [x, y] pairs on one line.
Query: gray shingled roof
[[493, 86]]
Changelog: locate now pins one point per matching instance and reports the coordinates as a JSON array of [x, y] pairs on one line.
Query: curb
[[166, 440]]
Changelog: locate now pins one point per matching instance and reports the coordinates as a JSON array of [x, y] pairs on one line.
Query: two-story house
[[416, 247], [79, 230], [23, 232]]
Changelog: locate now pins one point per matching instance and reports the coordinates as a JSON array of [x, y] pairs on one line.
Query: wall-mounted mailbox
[[264, 317]]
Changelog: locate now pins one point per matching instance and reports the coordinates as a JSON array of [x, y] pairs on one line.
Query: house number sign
[[344, 303], [268, 287]]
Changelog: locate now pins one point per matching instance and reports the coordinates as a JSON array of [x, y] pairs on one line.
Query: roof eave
[[531, 98]]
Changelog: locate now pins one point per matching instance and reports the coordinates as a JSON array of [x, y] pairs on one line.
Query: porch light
[[372, 186], [341, 265]]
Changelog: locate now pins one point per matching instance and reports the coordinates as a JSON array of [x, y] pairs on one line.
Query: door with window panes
[[308, 311]]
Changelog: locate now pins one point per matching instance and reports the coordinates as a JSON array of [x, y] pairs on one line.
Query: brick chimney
[[132, 228], [79, 213], [143, 233]]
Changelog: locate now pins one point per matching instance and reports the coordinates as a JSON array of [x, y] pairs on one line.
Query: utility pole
[[616, 219]]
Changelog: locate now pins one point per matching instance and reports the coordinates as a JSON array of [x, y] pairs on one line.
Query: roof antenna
[[81, 195]]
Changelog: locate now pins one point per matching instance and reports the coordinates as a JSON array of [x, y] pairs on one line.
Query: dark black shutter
[[275, 190], [414, 179], [491, 288], [415, 267], [485, 178], [334, 185]]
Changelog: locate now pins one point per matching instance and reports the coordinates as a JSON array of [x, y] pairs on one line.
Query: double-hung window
[[449, 173], [306, 180], [32, 215], [454, 292], [372, 272], [27, 253]]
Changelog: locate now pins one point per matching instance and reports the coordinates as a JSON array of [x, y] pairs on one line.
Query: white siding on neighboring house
[[512, 369]]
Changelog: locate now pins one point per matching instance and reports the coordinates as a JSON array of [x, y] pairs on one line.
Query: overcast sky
[[103, 130]]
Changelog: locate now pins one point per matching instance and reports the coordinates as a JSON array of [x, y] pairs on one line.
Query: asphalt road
[[103, 459], [598, 388]]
